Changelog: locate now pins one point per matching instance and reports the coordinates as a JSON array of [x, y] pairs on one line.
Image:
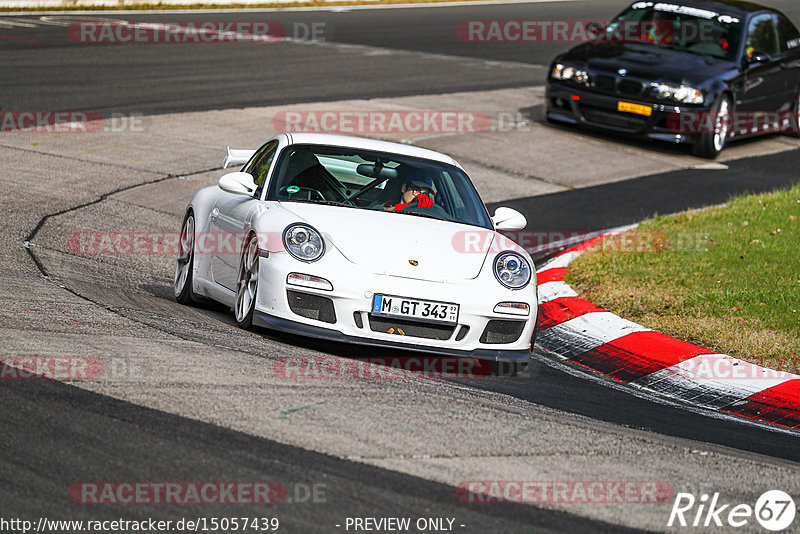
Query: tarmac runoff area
[[196, 364]]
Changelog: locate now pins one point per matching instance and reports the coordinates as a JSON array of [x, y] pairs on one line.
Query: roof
[[370, 144]]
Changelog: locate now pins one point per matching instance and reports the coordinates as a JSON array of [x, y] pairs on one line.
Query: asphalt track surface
[[54, 434], [155, 78], [94, 430], [623, 203]]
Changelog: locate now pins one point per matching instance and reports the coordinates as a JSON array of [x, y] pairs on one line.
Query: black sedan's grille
[[630, 87], [615, 85], [605, 83], [402, 327]]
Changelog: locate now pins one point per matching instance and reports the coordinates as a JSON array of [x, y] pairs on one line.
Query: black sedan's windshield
[[687, 28], [366, 179]]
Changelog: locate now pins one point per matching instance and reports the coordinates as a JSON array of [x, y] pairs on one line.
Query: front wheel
[[247, 285], [184, 265], [713, 142], [794, 121]]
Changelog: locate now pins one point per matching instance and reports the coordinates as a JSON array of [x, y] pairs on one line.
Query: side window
[[762, 36], [788, 35], [261, 165]]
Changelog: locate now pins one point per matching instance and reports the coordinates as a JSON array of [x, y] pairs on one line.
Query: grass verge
[[726, 278]]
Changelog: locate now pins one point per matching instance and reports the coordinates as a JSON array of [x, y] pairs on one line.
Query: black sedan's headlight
[[512, 270], [679, 93], [568, 73], [303, 242]]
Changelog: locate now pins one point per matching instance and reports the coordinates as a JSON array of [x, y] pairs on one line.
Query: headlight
[[303, 242], [512, 270], [567, 73], [681, 93]]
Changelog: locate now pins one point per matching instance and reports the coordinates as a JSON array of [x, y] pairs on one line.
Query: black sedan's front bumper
[[573, 105]]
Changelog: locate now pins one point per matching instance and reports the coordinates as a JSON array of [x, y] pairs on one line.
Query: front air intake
[[498, 332], [402, 327], [312, 306]]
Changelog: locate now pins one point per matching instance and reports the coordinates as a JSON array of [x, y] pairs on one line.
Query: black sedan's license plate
[[408, 308]]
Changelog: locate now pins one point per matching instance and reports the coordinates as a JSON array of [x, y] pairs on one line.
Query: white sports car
[[360, 241]]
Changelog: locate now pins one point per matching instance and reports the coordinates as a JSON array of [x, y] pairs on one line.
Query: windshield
[[364, 179], [671, 25]]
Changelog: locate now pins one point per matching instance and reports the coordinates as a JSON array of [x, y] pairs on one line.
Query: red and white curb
[[573, 329]]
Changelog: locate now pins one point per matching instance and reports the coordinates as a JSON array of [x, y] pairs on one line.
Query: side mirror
[[595, 29], [238, 183], [509, 220], [757, 58]]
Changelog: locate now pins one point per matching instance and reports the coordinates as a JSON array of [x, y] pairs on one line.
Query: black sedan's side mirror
[[758, 58], [595, 29]]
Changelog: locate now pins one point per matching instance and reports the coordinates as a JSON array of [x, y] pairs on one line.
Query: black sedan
[[691, 71]]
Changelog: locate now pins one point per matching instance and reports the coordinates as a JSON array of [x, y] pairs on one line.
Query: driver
[[660, 29], [417, 192]]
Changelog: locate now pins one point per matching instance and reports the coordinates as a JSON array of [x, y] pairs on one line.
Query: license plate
[[639, 109], [408, 308]]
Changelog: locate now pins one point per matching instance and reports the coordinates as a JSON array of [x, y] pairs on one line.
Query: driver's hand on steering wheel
[[420, 201]]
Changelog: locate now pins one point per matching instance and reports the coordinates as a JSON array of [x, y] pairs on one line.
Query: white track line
[[554, 290], [587, 332], [713, 380]]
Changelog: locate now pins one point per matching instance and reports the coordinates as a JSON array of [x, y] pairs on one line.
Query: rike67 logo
[[774, 511]]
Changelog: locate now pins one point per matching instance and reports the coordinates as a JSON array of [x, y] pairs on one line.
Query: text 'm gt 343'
[[360, 241], [699, 72]]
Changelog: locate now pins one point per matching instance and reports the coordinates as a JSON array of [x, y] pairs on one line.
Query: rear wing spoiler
[[234, 156]]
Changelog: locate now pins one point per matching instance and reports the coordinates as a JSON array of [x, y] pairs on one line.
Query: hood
[[384, 243], [647, 61]]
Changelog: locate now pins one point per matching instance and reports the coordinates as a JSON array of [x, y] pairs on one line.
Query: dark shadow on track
[[622, 203], [546, 386], [83, 437]]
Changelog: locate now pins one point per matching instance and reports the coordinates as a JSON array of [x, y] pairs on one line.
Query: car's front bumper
[[352, 320], [294, 327], [573, 105]]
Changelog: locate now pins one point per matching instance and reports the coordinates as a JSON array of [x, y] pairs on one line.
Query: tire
[[794, 130], [184, 265], [247, 284], [711, 144]]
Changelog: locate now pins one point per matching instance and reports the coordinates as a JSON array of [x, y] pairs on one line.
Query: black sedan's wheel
[[794, 120], [713, 142], [184, 265], [247, 285]]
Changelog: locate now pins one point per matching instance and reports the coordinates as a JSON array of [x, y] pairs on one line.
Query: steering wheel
[[303, 193], [430, 210], [434, 210]]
